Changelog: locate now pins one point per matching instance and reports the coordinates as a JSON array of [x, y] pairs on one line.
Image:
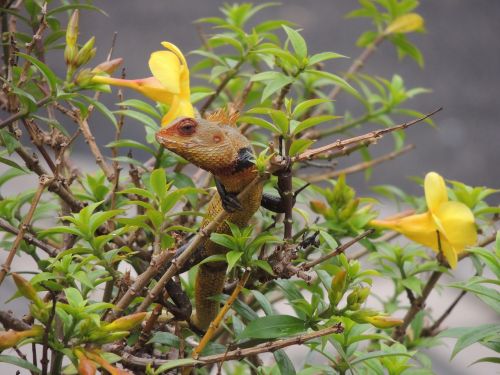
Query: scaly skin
[[221, 149]]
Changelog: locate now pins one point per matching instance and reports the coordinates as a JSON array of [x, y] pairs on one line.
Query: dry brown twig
[[43, 182]]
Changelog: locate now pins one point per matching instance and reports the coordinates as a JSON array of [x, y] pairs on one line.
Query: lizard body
[[219, 148]]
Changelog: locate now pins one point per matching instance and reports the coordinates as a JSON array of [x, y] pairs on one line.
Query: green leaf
[[284, 363], [165, 338], [175, 363], [378, 354], [314, 59], [158, 182], [129, 143], [232, 258], [298, 42], [44, 69], [301, 108], [276, 84], [487, 359], [141, 106], [263, 302], [11, 164], [260, 122], [300, 145], [479, 333], [273, 326], [139, 116], [75, 6], [312, 121], [101, 108], [74, 297], [20, 363]]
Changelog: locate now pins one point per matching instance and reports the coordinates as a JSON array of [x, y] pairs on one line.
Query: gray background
[[462, 67]]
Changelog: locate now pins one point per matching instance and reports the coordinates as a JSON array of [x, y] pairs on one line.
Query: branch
[[374, 135], [29, 238], [339, 250], [357, 167], [239, 354], [43, 182]]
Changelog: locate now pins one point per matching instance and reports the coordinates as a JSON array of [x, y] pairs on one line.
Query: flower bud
[[318, 207], [337, 287], [26, 289], [84, 77], [72, 29], [382, 321], [349, 209], [86, 367], [125, 323], [104, 337], [352, 298], [405, 24], [363, 294], [108, 66], [10, 338], [86, 53], [70, 53]]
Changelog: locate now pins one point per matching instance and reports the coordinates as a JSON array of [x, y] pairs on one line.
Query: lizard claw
[[230, 202]]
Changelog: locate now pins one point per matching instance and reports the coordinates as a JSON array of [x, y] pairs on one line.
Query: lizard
[[215, 145]]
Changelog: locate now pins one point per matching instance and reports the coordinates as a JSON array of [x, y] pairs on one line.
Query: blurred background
[[462, 67]]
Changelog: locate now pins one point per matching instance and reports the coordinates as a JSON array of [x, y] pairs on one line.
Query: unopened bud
[[84, 77], [349, 209], [318, 207], [382, 321], [337, 287], [108, 66], [70, 53], [125, 323], [352, 298], [72, 29], [363, 294], [10, 338], [86, 53], [26, 289], [86, 367]]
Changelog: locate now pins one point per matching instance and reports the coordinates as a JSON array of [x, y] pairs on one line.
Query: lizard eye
[[187, 126]]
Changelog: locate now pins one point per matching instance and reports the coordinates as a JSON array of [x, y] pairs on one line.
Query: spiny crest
[[225, 116]]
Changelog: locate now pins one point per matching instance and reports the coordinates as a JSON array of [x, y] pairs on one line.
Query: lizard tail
[[209, 283]]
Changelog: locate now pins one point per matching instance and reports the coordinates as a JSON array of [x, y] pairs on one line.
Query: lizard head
[[220, 149]]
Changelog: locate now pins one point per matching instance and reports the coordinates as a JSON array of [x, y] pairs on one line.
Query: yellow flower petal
[[456, 222], [420, 228], [166, 68], [150, 87], [435, 191], [172, 47]]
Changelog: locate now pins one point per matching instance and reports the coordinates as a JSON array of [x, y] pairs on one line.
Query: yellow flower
[[169, 83], [453, 221]]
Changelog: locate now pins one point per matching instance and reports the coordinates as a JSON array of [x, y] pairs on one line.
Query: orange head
[[217, 148]]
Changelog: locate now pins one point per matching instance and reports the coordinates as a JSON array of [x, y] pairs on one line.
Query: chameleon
[[215, 145]]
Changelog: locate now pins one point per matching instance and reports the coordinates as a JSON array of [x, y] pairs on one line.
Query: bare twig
[[43, 182], [358, 167], [29, 238], [239, 354], [339, 250], [376, 134]]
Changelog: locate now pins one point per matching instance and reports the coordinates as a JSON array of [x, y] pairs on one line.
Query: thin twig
[[29, 238], [339, 250], [43, 182], [357, 167], [239, 354], [373, 135]]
